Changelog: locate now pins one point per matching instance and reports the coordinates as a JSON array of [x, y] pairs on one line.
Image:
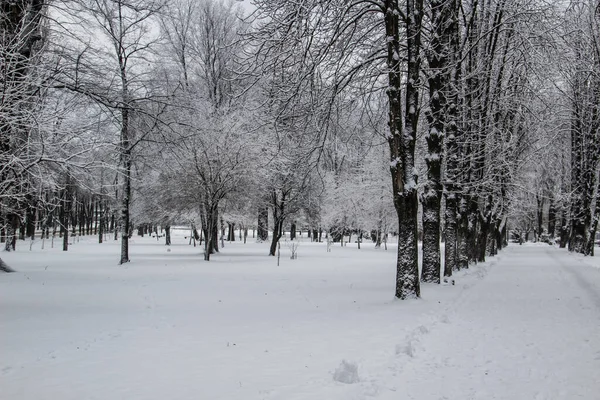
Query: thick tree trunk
[[208, 247], [451, 235], [125, 201], [431, 246], [230, 232], [407, 271], [402, 139], [451, 184], [210, 220], [439, 78], [293, 231]]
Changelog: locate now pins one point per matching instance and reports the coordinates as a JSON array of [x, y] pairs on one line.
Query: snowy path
[[529, 330], [525, 325]]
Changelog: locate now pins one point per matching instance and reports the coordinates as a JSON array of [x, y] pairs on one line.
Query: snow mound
[[347, 372], [4, 267], [409, 349]]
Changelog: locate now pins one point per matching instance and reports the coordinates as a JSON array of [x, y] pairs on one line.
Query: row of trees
[[559, 183], [145, 112]]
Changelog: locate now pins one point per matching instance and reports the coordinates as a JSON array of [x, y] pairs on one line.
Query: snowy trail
[[529, 330]]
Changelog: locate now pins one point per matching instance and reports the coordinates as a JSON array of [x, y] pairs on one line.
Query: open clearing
[[74, 325]]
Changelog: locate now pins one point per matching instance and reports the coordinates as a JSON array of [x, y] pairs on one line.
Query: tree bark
[[125, 201], [230, 232], [402, 139], [552, 218], [263, 223]]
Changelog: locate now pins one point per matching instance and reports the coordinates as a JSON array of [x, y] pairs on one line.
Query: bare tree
[[113, 76], [347, 42]]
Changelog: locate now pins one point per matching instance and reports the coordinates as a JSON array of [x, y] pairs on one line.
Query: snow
[[593, 262], [168, 325], [347, 372]]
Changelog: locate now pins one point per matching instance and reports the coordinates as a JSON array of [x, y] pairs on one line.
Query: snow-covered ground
[[74, 325]]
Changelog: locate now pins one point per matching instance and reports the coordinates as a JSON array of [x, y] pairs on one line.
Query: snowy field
[[74, 326]]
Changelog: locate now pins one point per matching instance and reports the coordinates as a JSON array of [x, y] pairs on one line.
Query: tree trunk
[[564, 230], [402, 139], [168, 235], [440, 74], [65, 213], [215, 232], [431, 235], [471, 238], [30, 220], [125, 201], [277, 233], [463, 231], [278, 205], [540, 214], [101, 223], [210, 220], [451, 235], [552, 218], [10, 244], [230, 232], [263, 223]]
